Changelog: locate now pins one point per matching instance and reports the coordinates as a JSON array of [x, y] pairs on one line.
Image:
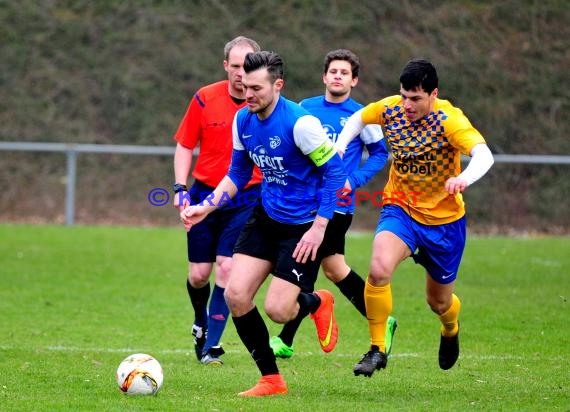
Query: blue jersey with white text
[[333, 116], [281, 145]]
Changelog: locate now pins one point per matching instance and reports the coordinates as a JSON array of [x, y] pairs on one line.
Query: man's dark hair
[[265, 59], [346, 55], [417, 74]]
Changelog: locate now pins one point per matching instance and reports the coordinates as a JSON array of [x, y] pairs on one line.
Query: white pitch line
[[61, 348]]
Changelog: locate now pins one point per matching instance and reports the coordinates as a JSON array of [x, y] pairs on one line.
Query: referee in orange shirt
[[208, 124]]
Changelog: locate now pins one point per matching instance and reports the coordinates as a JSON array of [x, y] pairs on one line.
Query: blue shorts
[[217, 234], [438, 248]]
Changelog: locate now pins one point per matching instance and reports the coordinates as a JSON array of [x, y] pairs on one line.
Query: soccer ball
[[139, 374]]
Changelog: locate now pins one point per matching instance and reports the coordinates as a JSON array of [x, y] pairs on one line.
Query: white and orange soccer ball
[[139, 374]]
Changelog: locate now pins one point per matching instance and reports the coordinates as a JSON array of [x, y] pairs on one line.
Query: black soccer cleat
[[199, 334], [373, 360], [448, 351], [216, 351], [212, 356]]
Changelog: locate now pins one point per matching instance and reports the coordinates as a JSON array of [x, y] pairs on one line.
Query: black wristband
[[178, 187]]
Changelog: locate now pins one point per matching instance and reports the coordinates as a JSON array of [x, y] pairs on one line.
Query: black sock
[[308, 303], [352, 287], [254, 334], [199, 299]]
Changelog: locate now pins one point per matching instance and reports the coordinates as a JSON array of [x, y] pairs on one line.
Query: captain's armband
[[323, 153]]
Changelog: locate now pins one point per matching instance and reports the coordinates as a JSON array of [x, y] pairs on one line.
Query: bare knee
[[223, 268], [238, 302], [199, 274], [388, 251], [380, 273], [198, 280], [278, 312]]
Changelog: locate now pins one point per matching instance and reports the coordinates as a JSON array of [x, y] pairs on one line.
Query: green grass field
[[74, 301]]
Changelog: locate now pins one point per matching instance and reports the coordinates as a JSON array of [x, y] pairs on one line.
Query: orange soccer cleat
[[268, 385], [327, 329]]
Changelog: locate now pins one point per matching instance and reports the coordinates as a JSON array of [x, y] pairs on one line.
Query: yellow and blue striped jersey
[[425, 154]]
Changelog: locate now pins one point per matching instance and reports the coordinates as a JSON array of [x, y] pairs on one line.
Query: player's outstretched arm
[[351, 129], [225, 191], [373, 138]]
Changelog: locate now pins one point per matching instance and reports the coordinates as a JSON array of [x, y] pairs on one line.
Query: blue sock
[[218, 313]]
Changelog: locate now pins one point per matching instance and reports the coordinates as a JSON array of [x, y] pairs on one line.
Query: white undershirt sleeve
[[481, 161], [351, 129], [309, 134]]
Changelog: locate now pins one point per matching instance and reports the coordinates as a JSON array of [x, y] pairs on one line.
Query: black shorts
[[334, 241], [267, 239]]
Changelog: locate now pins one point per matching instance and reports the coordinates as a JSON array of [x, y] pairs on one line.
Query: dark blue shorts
[[275, 242], [217, 234], [438, 248]]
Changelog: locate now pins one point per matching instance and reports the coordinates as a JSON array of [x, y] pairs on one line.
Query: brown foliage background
[[122, 72]]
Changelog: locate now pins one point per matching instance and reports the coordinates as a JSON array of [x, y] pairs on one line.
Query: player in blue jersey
[[302, 174], [340, 75]]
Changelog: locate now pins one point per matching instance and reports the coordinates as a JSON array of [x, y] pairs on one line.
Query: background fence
[[492, 192]]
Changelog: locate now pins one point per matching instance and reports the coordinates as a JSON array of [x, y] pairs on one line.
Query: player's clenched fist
[[455, 185], [192, 215]]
